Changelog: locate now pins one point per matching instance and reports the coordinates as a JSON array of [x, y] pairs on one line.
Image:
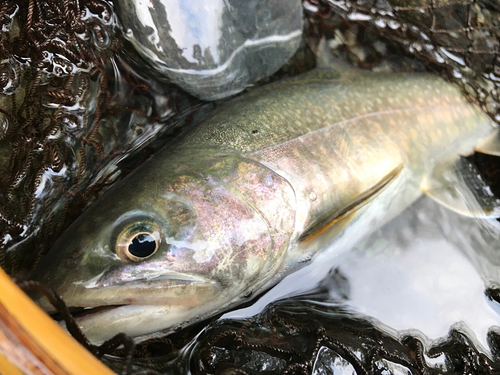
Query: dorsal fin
[[340, 217]]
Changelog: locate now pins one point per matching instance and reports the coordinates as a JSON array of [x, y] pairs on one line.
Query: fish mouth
[[142, 305], [154, 311], [124, 277], [105, 292]]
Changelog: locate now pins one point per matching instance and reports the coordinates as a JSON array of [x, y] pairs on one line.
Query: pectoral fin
[[490, 145], [335, 221], [457, 184]]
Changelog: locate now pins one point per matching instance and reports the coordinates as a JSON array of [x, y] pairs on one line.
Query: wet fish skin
[[265, 182]]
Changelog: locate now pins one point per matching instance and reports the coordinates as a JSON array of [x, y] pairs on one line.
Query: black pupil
[[143, 245]]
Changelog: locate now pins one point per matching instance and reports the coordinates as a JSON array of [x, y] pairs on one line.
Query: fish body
[[252, 193]]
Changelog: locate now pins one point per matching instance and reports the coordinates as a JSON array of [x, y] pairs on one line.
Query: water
[[413, 288], [421, 275], [414, 275]]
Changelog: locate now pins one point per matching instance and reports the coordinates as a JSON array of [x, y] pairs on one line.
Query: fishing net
[[304, 337], [76, 115], [457, 39], [71, 108]]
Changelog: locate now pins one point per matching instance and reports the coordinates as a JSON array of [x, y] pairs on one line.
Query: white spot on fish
[[105, 252], [268, 181], [92, 283], [203, 250]]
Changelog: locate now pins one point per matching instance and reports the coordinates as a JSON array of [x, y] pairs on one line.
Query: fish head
[[191, 235]]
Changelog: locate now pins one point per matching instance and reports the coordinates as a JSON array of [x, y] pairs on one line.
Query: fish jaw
[[172, 288], [139, 320], [142, 306]]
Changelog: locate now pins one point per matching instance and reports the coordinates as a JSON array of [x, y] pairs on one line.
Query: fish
[[256, 190]]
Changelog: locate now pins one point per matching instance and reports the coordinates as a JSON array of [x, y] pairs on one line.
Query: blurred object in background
[[213, 49]]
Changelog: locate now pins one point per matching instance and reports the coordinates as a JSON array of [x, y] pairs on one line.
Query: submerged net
[[299, 336], [459, 39], [75, 114], [71, 108], [303, 336]]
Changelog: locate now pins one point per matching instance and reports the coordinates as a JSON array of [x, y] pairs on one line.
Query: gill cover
[[208, 227]]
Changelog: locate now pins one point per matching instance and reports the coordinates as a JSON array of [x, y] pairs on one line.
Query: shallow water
[[414, 275], [425, 270]]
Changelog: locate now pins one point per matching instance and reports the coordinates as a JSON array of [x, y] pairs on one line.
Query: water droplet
[[4, 125], [9, 79], [100, 38], [312, 196], [269, 181]]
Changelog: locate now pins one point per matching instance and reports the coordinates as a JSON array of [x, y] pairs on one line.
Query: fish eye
[[138, 242]]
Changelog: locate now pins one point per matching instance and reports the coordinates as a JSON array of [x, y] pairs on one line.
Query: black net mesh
[[71, 107], [457, 39], [301, 336]]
